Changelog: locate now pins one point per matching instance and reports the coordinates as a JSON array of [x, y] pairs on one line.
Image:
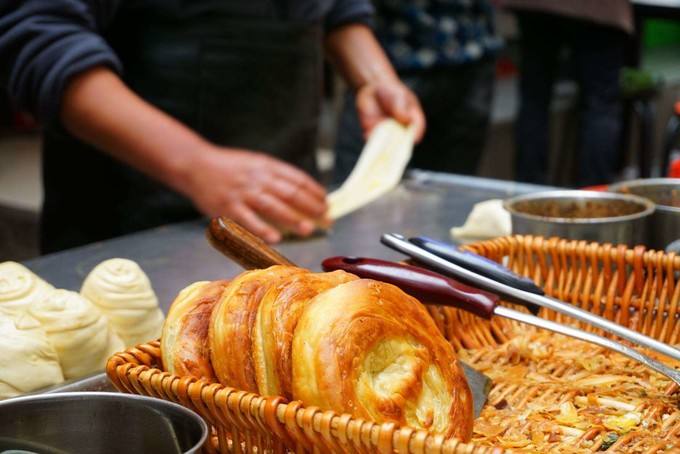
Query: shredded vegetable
[[556, 394]]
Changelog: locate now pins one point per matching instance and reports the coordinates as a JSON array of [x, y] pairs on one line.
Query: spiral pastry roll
[[79, 333], [368, 349], [28, 361], [277, 316], [184, 342], [232, 322], [19, 287], [122, 291]]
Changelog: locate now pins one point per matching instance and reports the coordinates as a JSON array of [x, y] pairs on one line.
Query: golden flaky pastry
[[27, 360], [78, 331], [368, 349], [184, 342], [232, 324], [277, 317], [122, 291]]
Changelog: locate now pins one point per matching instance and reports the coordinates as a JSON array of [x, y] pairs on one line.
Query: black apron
[[248, 82]]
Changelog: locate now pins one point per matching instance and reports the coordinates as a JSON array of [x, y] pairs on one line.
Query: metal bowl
[[582, 215], [665, 193], [98, 423]]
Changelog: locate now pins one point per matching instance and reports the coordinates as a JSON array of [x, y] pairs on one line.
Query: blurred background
[[649, 90]]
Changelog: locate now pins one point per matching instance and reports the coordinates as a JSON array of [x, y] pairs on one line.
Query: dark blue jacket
[[45, 42]]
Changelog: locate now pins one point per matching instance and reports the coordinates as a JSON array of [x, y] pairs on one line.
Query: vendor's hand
[[256, 191], [378, 101]]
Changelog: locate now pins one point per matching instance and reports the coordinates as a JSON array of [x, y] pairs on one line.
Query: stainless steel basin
[[98, 423], [582, 215], [665, 193]]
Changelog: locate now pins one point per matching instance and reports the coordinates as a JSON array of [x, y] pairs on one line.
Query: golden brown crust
[[232, 324], [278, 315], [368, 349], [185, 345]]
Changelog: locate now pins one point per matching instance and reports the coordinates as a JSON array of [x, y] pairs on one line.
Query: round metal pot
[[98, 423], [582, 215], [665, 193]]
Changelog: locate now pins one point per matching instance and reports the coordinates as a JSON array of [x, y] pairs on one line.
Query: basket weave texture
[[634, 287]]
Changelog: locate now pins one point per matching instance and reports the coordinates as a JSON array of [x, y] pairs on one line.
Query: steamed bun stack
[[78, 331], [28, 361], [19, 287], [122, 291]]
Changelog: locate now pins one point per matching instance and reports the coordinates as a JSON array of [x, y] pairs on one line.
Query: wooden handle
[[241, 246]]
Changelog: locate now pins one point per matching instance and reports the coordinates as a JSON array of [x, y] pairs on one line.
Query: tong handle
[[477, 263], [241, 246], [427, 286]]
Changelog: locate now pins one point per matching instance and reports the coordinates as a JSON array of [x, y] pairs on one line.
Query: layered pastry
[[275, 324], [368, 349], [28, 361], [122, 291], [19, 287], [184, 342], [331, 340], [232, 324], [79, 333]]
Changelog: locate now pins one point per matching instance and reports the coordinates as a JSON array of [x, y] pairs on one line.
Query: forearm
[[98, 108], [358, 56]]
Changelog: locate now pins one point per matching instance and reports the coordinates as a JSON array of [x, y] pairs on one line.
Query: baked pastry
[[232, 324], [331, 340], [277, 316], [28, 361], [19, 287], [184, 342], [79, 333], [368, 349], [122, 291]]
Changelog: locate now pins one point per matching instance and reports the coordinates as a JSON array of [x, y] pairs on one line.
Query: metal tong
[[435, 288], [494, 277]]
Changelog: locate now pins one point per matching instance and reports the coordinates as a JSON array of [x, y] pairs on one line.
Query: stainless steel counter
[[176, 255]]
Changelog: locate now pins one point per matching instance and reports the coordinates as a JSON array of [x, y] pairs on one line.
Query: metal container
[[665, 193], [98, 423], [582, 215]]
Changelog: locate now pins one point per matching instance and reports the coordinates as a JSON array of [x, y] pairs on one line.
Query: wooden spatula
[[251, 252]]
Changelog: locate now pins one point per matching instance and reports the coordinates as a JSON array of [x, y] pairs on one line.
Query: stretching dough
[[122, 291], [19, 287], [378, 171], [28, 361], [78, 331]]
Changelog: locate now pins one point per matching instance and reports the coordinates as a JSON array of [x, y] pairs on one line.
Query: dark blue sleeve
[[349, 11], [45, 42]]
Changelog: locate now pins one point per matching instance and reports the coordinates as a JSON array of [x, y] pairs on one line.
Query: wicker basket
[[634, 287]]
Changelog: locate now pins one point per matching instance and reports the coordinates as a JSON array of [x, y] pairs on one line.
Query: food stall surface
[[176, 255]]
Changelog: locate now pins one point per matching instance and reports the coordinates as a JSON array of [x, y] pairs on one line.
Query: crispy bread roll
[[277, 317], [232, 324], [368, 349], [184, 342]]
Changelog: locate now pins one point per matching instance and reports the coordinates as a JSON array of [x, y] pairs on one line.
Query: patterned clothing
[[420, 34]]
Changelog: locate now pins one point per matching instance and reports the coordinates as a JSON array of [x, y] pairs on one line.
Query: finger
[[280, 213], [297, 196], [251, 221], [394, 102], [368, 108], [300, 179], [418, 120]]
